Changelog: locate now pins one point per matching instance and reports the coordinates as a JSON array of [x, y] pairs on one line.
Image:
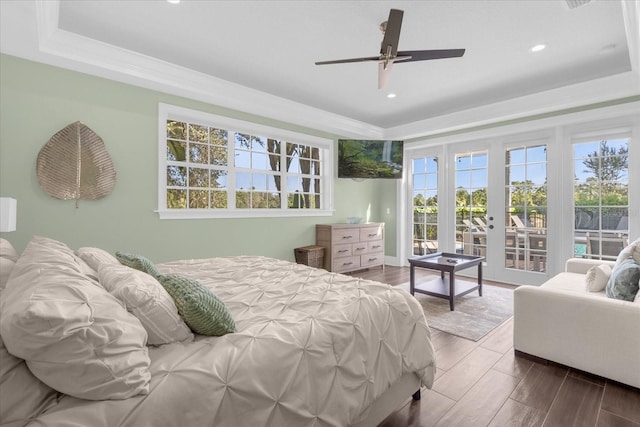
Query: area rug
[[474, 316]]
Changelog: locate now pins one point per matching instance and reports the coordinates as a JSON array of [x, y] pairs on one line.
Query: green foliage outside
[[605, 187], [196, 144]]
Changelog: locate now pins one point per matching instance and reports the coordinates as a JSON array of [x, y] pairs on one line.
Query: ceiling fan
[[389, 53]]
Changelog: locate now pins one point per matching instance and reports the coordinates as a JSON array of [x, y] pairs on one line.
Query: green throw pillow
[[623, 282], [138, 262], [204, 312]]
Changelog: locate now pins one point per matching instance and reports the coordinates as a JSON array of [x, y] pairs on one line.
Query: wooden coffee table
[[443, 288]]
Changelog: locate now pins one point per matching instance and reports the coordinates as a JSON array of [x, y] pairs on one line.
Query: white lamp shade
[[8, 209]]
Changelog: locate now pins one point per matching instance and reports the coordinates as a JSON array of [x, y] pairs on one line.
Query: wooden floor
[[483, 384]]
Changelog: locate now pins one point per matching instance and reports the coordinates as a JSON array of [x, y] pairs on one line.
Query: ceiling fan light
[[391, 95]]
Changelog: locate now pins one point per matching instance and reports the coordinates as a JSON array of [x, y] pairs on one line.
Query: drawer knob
[[372, 259], [347, 237], [343, 250], [347, 263], [373, 235]]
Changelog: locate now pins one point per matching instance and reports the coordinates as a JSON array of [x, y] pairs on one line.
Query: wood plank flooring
[[484, 384]]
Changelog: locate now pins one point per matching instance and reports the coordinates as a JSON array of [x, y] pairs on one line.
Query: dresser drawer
[[370, 233], [375, 246], [345, 235], [360, 248], [341, 251], [369, 260], [346, 264]]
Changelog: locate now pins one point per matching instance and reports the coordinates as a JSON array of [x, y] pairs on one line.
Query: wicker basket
[[313, 256]]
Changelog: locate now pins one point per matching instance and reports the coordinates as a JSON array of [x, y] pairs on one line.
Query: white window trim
[[167, 111]]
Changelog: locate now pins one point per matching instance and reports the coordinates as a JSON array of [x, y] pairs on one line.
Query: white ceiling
[[258, 56]]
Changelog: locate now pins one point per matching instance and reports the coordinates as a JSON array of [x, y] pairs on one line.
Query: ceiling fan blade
[[423, 55], [384, 73], [392, 33], [344, 61]]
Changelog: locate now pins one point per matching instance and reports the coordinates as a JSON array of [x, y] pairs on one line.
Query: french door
[[484, 198]]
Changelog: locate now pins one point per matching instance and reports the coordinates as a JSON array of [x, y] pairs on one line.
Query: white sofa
[[562, 322]]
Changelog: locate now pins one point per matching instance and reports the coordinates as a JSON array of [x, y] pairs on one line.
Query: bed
[[309, 347]]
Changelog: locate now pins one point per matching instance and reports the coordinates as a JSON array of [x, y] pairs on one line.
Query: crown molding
[[579, 95], [36, 36]]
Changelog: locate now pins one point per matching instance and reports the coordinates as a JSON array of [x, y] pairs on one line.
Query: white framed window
[[211, 166], [601, 195]]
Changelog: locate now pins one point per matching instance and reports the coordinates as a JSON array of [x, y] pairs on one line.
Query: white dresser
[[350, 247]]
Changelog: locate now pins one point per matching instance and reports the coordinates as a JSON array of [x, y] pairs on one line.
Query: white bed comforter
[[312, 348]]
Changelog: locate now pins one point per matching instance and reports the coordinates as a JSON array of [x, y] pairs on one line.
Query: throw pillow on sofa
[[623, 283], [631, 251], [597, 277], [75, 336]]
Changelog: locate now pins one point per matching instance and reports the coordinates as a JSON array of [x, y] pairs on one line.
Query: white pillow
[[6, 266], [75, 337], [8, 258], [145, 297], [631, 251], [23, 396], [96, 256], [597, 277], [7, 250]]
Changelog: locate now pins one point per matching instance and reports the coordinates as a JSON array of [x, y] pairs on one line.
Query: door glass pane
[[525, 246], [425, 205], [601, 198], [471, 203]]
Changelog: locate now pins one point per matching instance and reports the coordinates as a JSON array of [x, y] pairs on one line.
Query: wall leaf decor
[[75, 164]]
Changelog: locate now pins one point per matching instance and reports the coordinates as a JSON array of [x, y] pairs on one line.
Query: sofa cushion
[[623, 283], [567, 281], [75, 336], [146, 299], [597, 277]]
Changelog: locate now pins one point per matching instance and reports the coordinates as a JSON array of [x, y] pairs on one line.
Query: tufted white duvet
[[312, 348]]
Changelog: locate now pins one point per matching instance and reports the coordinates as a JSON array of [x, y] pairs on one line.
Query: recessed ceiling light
[[538, 47], [391, 95], [173, 1]]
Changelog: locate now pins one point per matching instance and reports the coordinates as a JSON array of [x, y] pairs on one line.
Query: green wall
[[38, 100]]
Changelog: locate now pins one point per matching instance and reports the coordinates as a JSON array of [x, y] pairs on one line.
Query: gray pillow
[[623, 282]]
